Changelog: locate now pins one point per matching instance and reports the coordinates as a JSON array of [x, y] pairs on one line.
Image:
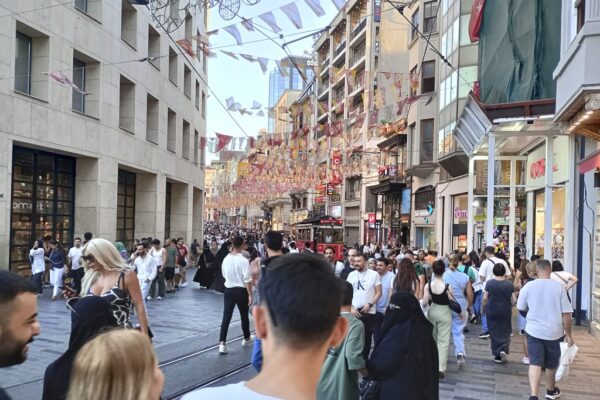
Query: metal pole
[[512, 213], [470, 207], [580, 222], [548, 198], [491, 180]]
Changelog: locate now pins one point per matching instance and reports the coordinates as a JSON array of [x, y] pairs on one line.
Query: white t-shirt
[[364, 284], [236, 270], [487, 269], [75, 254], [545, 300], [387, 281], [339, 266], [236, 391]]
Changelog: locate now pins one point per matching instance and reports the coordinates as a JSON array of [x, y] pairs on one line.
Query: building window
[[172, 131], [415, 20], [188, 27], [93, 8], [43, 191], [128, 23], [429, 16], [580, 6], [185, 142], [126, 208], [152, 113], [23, 64], [370, 202], [428, 77], [204, 57], [413, 90], [81, 5], [79, 80], [197, 96], [168, 191], [154, 47], [196, 147], [127, 105], [426, 152], [203, 105], [173, 66], [353, 187], [424, 198], [187, 82]]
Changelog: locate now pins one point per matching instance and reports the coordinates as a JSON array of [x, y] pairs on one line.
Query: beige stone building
[[119, 157]]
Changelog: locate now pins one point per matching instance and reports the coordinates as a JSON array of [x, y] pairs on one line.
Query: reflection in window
[[126, 207]]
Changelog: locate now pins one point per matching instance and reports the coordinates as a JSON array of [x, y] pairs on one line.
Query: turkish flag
[[202, 142], [476, 19], [223, 141]]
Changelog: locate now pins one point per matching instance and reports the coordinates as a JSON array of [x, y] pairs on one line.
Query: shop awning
[[590, 162], [387, 187], [472, 126], [395, 139], [424, 189]]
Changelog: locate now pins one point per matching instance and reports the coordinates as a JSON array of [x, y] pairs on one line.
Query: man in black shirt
[[18, 320]]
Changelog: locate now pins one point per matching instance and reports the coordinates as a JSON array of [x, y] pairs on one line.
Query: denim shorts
[[543, 353]]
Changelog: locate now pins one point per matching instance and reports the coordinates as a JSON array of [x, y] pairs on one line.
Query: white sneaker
[[247, 342], [184, 284], [503, 356], [223, 349], [148, 298], [159, 298]]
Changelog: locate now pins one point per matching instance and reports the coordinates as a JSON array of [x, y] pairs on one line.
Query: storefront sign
[[335, 221], [536, 164], [372, 218], [422, 213], [320, 199], [405, 219], [460, 206]]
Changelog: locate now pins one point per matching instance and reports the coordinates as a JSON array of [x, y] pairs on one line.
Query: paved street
[[186, 328]]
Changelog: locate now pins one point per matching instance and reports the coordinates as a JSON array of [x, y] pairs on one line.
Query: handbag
[[452, 303], [369, 389]]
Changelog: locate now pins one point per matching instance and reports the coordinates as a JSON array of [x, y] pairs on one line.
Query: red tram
[[322, 232]]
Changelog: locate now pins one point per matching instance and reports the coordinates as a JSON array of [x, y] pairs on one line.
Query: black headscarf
[[404, 307], [89, 316]]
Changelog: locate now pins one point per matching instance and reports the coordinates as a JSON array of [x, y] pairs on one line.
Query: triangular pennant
[[233, 31], [64, 80], [315, 6], [230, 101], [269, 19], [292, 12], [213, 32], [222, 141], [283, 71], [264, 64], [230, 54], [339, 4], [248, 57], [256, 105], [248, 24]]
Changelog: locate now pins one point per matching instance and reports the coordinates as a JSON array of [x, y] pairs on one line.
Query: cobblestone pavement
[[189, 321]]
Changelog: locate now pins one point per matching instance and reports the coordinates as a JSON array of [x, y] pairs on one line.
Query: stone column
[[147, 199], [5, 196], [197, 215], [181, 211]]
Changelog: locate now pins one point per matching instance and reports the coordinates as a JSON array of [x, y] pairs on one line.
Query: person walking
[[183, 260], [339, 373], [367, 292], [38, 266], [486, 273], [548, 312], [57, 267], [497, 302], [337, 266], [566, 278], [159, 255], [349, 263], [145, 266], [170, 264], [462, 291], [387, 284], [74, 259], [439, 314], [238, 292]]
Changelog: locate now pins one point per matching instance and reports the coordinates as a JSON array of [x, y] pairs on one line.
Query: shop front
[[43, 194], [460, 207], [424, 217]]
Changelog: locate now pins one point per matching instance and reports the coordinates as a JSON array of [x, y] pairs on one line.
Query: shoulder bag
[[454, 305]]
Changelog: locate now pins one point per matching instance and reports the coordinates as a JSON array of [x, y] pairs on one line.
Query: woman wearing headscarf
[[219, 282], [89, 316], [122, 251], [405, 359], [202, 276]]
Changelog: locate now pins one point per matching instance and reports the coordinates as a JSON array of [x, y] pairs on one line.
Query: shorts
[[169, 273], [543, 353]]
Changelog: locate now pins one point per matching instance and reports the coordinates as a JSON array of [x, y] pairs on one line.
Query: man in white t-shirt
[[367, 292], [545, 304], [387, 283], [295, 340], [486, 273], [74, 258], [329, 254]]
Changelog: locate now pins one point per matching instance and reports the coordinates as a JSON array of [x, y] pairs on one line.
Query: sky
[[244, 80]]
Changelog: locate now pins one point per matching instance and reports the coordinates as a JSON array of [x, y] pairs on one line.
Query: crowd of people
[[383, 313]]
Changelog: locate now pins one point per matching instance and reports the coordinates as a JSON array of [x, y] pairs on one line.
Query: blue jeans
[[257, 357], [477, 303], [484, 327], [458, 335]]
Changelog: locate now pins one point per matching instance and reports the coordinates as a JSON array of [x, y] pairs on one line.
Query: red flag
[[476, 19], [202, 142], [187, 47], [223, 140]]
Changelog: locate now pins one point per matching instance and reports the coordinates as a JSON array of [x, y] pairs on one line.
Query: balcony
[[358, 28], [420, 164], [339, 49], [358, 55], [325, 63], [392, 179]]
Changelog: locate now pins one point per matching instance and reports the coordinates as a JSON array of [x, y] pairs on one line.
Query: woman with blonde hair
[[109, 277], [119, 364]]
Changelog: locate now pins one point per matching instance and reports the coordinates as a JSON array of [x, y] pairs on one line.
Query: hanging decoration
[[222, 141], [292, 12]]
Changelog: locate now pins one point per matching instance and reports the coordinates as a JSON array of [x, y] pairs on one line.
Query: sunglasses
[[89, 258]]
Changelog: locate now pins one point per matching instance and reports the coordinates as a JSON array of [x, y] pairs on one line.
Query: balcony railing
[[340, 48], [392, 173], [357, 54], [325, 63], [358, 28]]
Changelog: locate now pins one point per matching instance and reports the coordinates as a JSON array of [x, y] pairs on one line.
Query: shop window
[[31, 62], [171, 131], [428, 77], [127, 105], [429, 16], [43, 190], [126, 207], [415, 20], [173, 66], [153, 47], [426, 153], [152, 114], [424, 198], [185, 142], [128, 23], [371, 202]]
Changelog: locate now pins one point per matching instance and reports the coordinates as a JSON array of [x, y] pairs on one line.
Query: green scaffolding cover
[[519, 48]]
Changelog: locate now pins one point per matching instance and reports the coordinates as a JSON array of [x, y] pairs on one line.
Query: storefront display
[[558, 224], [43, 189], [460, 206]]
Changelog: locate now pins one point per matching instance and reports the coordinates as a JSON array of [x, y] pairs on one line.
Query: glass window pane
[[44, 222], [66, 165], [45, 192], [45, 207], [23, 64], [23, 190], [21, 237], [129, 212], [65, 179], [64, 207], [64, 193], [21, 221], [79, 80], [130, 201]]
